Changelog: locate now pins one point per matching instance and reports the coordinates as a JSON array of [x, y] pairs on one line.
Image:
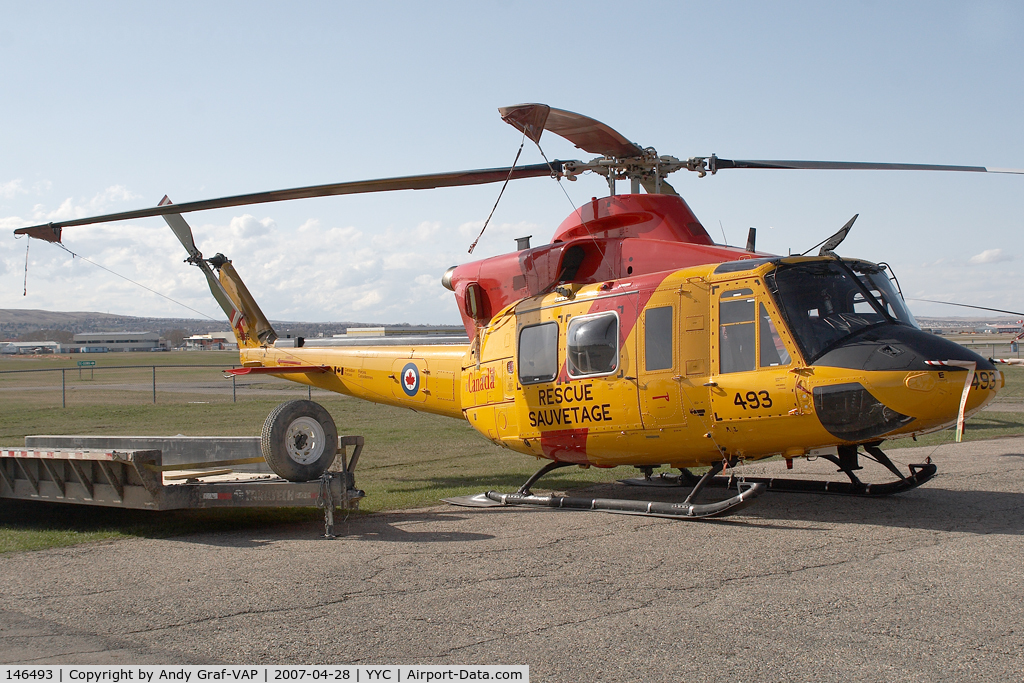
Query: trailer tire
[[299, 440]]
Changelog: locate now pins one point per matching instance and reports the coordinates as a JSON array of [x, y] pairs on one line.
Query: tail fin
[[250, 326]]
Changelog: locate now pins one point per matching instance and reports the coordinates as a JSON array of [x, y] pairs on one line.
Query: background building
[[214, 341], [101, 342], [32, 347]]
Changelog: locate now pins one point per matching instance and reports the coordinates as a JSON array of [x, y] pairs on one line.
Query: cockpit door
[[750, 361]]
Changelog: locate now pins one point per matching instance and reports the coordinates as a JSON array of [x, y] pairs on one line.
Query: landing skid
[[846, 462], [685, 510]]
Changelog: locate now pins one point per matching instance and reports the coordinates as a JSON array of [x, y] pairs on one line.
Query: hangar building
[[101, 342]]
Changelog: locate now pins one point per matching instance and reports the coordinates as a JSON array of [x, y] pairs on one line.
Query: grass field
[[130, 378], [211, 358], [410, 459]]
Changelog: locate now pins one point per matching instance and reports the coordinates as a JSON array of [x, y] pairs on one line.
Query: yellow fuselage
[[679, 399]]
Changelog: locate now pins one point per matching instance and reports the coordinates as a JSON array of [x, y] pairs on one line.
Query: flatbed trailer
[[138, 479]]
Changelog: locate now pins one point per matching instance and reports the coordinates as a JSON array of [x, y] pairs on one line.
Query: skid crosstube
[[919, 474], [684, 510]]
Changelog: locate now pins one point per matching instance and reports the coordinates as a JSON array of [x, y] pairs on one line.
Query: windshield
[[824, 305]]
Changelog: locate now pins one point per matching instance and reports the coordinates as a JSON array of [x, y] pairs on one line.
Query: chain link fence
[[185, 383], [135, 384], [994, 349]]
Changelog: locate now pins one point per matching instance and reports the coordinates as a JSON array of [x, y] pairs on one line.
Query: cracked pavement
[[926, 585]]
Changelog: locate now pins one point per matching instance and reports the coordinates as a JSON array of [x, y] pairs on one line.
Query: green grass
[[985, 425], [107, 360], [410, 459], [1014, 389]]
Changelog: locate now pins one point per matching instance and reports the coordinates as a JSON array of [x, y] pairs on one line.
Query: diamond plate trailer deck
[[138, 479]]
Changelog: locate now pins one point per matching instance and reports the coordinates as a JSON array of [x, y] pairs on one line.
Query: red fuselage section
[[605, 240]]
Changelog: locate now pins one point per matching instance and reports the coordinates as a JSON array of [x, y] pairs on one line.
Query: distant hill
[[15, 322]]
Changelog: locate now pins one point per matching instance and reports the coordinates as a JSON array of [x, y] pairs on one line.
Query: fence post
[[154, 384], [309, 391], [63, 390], [234, 396]]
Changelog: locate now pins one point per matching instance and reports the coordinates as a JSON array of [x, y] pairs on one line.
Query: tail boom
[[423, 378]]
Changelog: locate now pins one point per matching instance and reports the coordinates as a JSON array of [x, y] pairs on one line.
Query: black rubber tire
[[299, 440]]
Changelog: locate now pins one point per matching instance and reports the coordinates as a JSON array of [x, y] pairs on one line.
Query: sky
[[108, 106]]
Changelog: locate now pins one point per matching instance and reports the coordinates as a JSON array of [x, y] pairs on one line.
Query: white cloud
[[371, 298], [99, 203], [427, 231], [248, 227], [303, 270], [990, 256], [11, 189], [401, 261], [16, 187], [11, 223], [66, 210], [112, 195]]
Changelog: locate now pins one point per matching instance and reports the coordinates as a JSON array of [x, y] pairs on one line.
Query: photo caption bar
[[426, 673]]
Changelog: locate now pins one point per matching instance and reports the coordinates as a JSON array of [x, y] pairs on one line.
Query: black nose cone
[[896, 347]]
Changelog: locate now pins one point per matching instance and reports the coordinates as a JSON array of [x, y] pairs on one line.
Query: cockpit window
[[773, 351], [592, 345], [823, 304], [881, 288]]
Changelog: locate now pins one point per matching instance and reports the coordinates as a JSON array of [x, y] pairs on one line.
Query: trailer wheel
[[299, 440]]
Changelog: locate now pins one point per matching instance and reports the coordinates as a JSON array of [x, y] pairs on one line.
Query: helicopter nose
[[909, 381], [898, 348]]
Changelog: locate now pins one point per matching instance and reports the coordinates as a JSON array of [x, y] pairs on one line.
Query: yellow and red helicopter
[[632, 338]]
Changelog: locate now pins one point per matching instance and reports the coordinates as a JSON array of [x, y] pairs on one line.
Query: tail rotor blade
[[181, 230], [220, 294]]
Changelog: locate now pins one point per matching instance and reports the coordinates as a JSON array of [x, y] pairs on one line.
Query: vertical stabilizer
[[253, 329]]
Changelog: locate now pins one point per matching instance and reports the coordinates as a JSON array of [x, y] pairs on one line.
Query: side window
[[736, 331], [658, 338], [592, 345], [773, 351], [538, 353]]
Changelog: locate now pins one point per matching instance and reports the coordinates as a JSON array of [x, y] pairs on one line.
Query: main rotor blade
[[51, 231], [719, 164], [586, 133], [982, 308]]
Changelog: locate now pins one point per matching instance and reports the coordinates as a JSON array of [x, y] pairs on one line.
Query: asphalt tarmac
[[927, 585]]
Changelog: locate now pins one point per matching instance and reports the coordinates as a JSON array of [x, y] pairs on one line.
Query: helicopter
[[631, 338]]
